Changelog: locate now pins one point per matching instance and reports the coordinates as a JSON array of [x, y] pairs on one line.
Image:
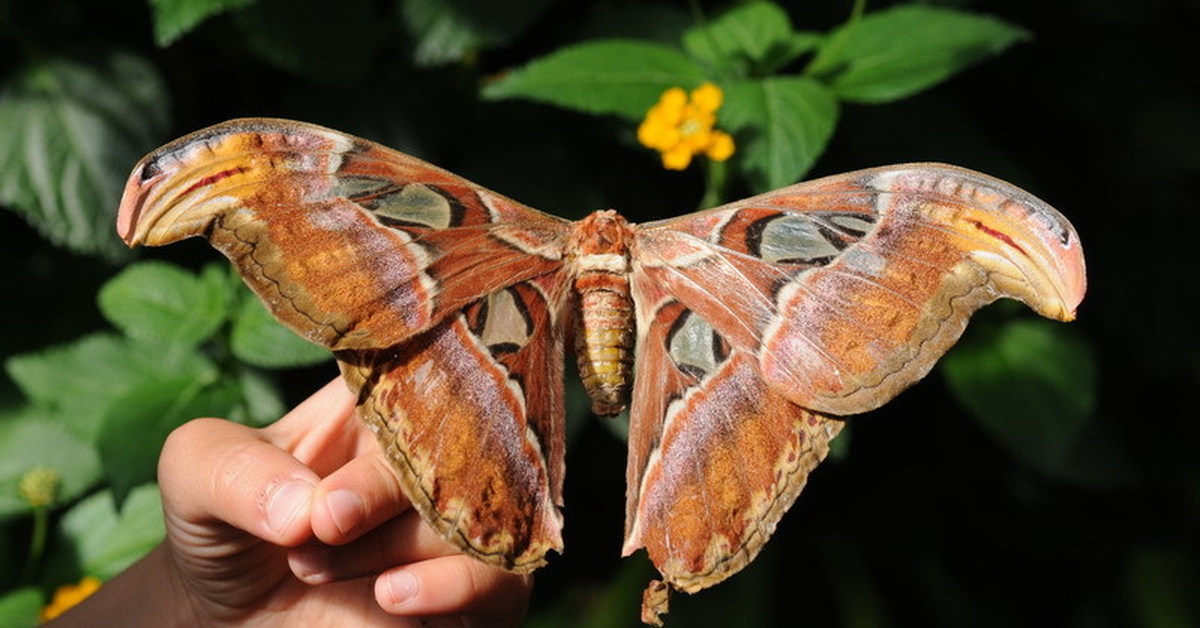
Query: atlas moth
[[739, 337]]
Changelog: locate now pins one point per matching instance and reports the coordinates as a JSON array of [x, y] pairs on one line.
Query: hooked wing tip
[[144, 174], [1071, 279]]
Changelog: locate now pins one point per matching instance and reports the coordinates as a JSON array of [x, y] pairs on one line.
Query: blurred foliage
[[1060, 487]]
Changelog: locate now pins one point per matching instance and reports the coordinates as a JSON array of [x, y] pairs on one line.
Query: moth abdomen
[[605, 320], [604, 345]]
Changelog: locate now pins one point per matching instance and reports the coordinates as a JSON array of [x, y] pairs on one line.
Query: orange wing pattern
[[349, 243], [824, 298], [756, 326], [442, 300]]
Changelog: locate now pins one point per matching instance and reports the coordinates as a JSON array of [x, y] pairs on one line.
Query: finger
[[212, 470], [321, 428], [357, 498], [405, 539], [457, 585]]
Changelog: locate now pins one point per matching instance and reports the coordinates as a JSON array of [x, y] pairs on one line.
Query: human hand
[[288, 525]]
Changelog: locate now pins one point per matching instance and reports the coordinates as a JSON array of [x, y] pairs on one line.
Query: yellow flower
[[680, 126], [69, 595], [39, 486]]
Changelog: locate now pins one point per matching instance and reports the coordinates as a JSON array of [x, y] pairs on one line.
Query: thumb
[[214, 472]]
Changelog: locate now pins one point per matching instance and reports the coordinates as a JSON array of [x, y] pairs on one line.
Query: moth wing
[[715, 455], [847, 289], [470, 414], [442, 300], [351, 244], [760, 318]]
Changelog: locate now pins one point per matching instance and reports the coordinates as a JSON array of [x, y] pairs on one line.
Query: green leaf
[[447, 31], [330, 42], [1031, 384], [261, 400], [20, 608], [79, 380], [31, 439], [138, 422], [163, 304], [754, 38], [620, 77], [97, 539], [175, 18], [891, 54], [782, 125], [258, 339], [72, 130], [799, 43]]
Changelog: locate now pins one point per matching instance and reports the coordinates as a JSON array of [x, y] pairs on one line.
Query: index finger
[[322, 432]]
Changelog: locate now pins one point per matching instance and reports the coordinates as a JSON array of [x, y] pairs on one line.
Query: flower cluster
[[680, 127], [69, 595]]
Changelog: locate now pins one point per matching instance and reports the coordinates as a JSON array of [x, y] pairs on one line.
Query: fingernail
[[310, 563], [401, 587], [346, 508], [287, 503]]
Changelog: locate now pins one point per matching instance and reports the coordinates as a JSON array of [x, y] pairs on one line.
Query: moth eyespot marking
[[856, 225], [362, 190], [150, 170], [503, 322], [415, 205], [793, 239], [695, 346]]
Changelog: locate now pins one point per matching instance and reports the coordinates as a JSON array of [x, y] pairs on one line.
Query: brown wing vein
[[769, 303]]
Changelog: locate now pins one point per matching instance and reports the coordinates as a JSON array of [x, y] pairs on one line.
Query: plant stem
[[37, 543], [715, 176]]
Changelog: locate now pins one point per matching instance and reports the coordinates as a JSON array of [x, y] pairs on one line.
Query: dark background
[[925, 519]]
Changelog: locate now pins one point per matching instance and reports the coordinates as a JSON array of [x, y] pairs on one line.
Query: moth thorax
[[604, 340]]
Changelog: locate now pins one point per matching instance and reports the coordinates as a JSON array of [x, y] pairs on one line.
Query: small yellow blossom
[[39, 486], [708, 97], [680, 126], [68, 596]]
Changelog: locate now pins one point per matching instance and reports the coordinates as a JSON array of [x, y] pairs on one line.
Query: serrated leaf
[[621, 77], [137, 423], [258, 339], [754, 38], [782, 124], [891, 54], [72, 130], [328, 42], [176, 18], [261, 399], [163, 304], [95, 538], [80, 379], [30, 439], [20, 608], [447, 31], [1031, 385]]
